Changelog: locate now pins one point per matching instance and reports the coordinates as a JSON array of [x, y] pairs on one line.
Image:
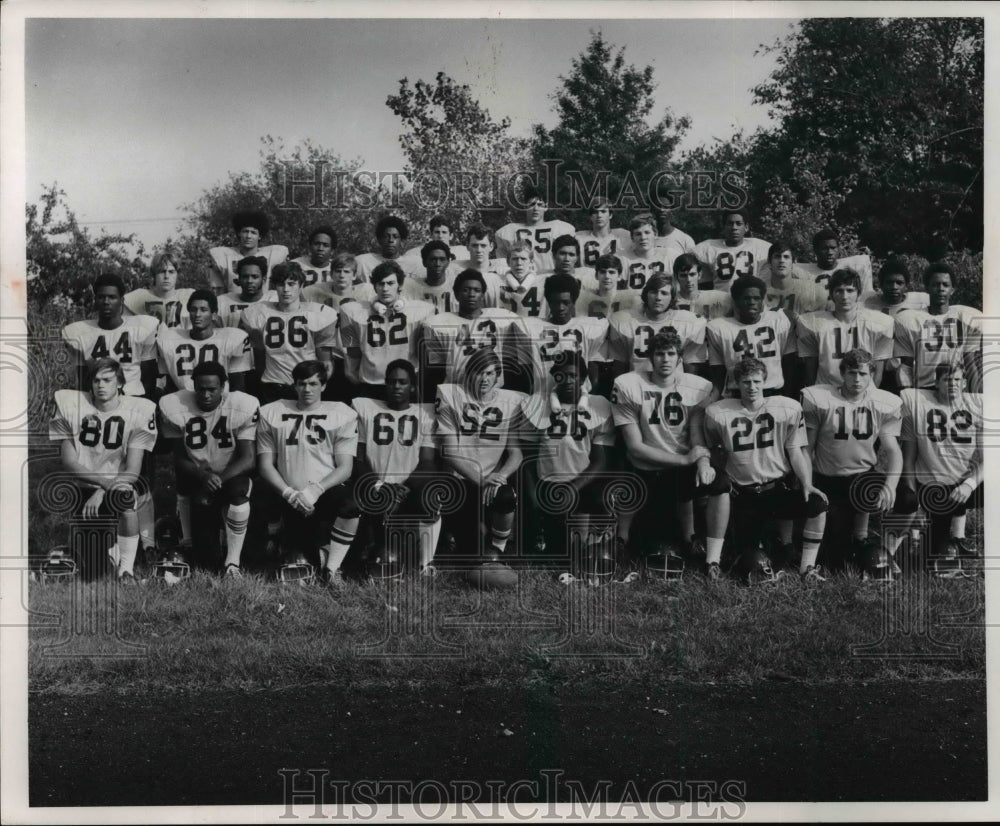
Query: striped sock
[[341, 536], [237, 517]]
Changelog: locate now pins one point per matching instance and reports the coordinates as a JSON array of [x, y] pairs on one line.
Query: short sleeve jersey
[[179, 353], [130, 344], [631, 334], [540, 236], [393, 438], [948, 435], [382, 339], [847, 430], [439, 296], [708, 305], [592, 247], [677, 237], [314, 274], [913, 301], [232, 305], [210, 438], [102, 439], [526, 298], [729, 263], [481, 426], [933, 340], [861, 264], [451, 339], [730, 341], [225, 259], [170, 311], [565, 438], [662, 413], [756, 441], [322, 293], [823, 336], [796, 297], [638, 271], [289, 336], [304, 442], [592, 303], [537, 343], [368, 261]]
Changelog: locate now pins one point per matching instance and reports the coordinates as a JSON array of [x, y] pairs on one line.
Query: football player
[[660, 412], [632, 331], [826, 247], [519, 290], [444, 229], [754, 332], [104, 435], [645, 259], [391, 234], [316, 264], [843, 426], [824, 336], [670, 236], [706, 304], [479, 242], [250, 227], [535, 230], [601, 239], [893, 298], [214, 433], [786, 292], [480, 443], [341, 286], [305, 453], [566, 258], [769, 474], [437, 284], [250, 276], [163, 300], [734, 254], [180, 351], [536, 341], [288, 331], [571, 445], [450, 339], [396, 446], [603, 298], [943, 461], [377, 332], [129, 340], [942, 335]]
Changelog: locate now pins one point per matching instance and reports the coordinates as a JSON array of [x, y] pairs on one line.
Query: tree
[[605, 142], [896, 103], [459, 160]]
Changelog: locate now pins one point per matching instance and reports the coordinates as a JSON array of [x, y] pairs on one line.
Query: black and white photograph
[[495, 411]]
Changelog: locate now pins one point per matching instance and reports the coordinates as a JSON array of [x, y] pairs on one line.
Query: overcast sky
[[134, 118]]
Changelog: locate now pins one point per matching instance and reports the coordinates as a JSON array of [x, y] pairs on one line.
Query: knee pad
[[505, 501], [815, 506]]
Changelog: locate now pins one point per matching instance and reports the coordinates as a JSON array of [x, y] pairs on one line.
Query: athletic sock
[[958, 527], [341, 536], [184, 515], [237, 517], [127, 548], [713, 549], [429, 536]]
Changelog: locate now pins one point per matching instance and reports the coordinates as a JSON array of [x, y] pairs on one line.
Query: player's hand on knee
[[93, 504], [705, 475], [886, 498]]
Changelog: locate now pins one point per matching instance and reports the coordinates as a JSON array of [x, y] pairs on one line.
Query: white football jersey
[[439, 296], [232, 305], [102, 439], [797, 297], [914, 301], [225, 259], [638, 271], [631, 334], [730, 341], [933, 340], [304, 442], [482, 426], [565, 438], [821, 335], [861, 264], [537, 342], [677, 238], [847, 430], [130, 344], [288, 337], [729, 263], [210, 438], [314, 274], [170, 311], [592, 303], [617, 242], [755, 441], [393, 438], [450, 339], [949, 435], [709, 304], [179, 353], [662, 413], [382, 339], [523, 298], [540, 236]]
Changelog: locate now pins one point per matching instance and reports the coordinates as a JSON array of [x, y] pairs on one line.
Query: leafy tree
[[605, 141], [459, 160]]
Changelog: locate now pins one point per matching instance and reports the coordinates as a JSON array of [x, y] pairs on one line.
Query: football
[[492, 576]]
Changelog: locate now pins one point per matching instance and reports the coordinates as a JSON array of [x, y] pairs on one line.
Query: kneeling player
[[396, 446], [764, 442], [842, 425], [103, 436], [474, 422], [305, 453], [215, 435]]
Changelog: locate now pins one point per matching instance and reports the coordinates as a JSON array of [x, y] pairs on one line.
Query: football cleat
[[813, 575], [332, 579], [666, 563], [58, 566], [296, 571], [172, 567], [233, 571], [961, 547], [713, 572]]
